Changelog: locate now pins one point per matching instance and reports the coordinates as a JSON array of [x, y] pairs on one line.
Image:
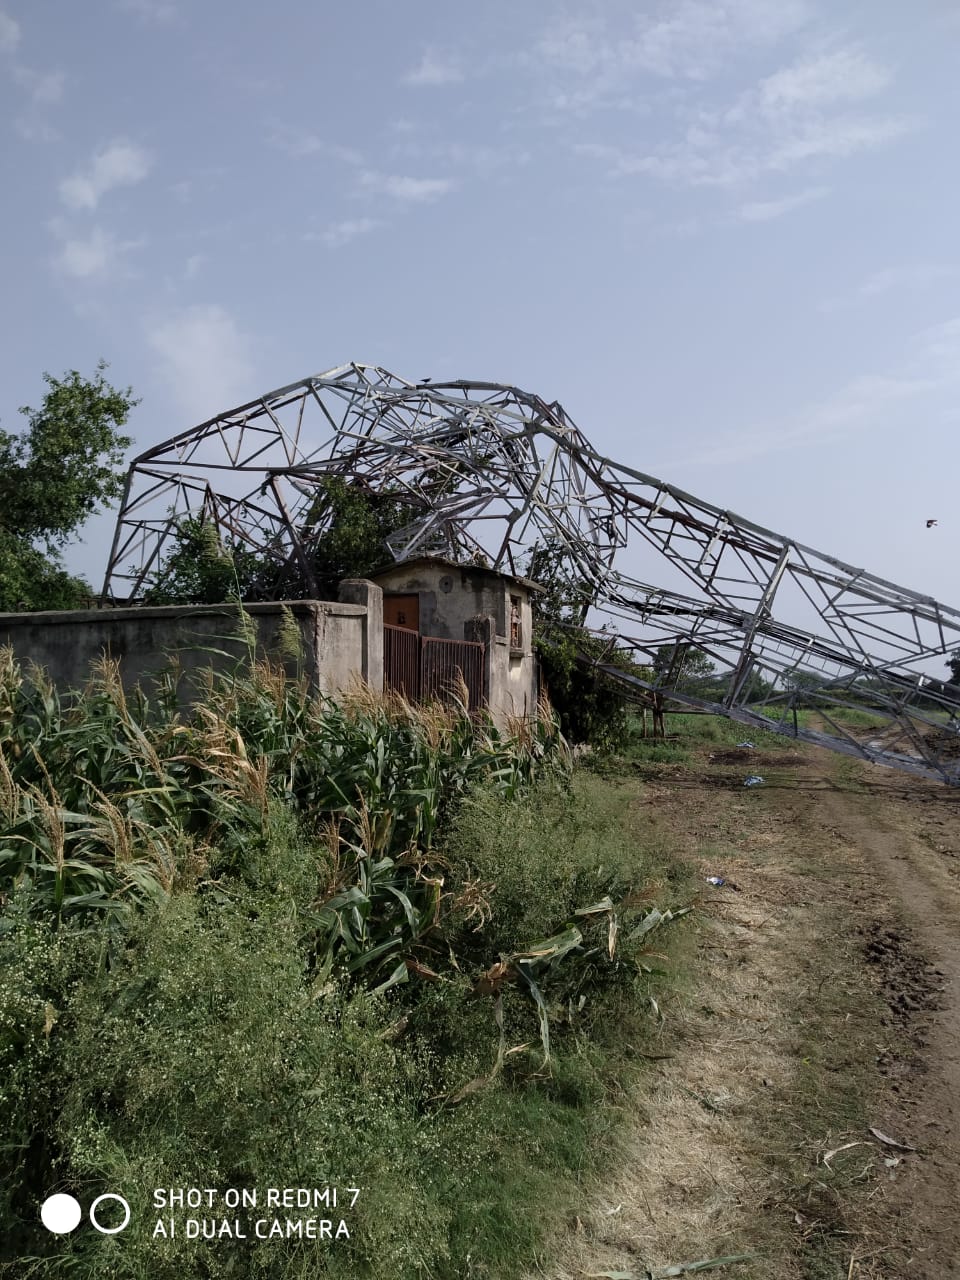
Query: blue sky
[[723, 234]]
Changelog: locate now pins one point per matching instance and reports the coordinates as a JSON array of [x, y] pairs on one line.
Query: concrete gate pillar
[[363, 592]]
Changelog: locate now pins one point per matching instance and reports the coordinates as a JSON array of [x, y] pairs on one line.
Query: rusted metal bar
[[401, 662], [445, 663]]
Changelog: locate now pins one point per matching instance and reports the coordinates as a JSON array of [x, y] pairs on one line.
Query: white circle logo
[[60, 1214], [110, 1231]]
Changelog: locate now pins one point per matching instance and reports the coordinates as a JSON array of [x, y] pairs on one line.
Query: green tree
[[692, 671], [53, 476], [592, 708], [357, 525], [563, 600], [203, 567], [805, 684]]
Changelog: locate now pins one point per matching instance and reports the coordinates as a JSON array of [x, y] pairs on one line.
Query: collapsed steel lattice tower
[[488, 472]]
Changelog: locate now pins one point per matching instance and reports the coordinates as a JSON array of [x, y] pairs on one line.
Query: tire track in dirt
[[924, 1101]]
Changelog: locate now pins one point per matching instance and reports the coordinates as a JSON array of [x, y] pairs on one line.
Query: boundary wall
[[339, 643]]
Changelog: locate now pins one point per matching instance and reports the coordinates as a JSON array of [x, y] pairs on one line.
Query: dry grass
[[768, 1064], [687, 1185]]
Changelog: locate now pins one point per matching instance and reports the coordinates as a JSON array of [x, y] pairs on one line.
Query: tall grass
[[694, 727]]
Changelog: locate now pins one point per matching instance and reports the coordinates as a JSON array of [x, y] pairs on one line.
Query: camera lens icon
[[61, 1214]]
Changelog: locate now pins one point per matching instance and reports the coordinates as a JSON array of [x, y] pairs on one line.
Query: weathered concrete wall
[[331, 638], [369, 597], [510, 675], [518, 680]]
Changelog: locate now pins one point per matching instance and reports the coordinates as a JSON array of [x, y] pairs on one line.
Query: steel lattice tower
[[488, 473]]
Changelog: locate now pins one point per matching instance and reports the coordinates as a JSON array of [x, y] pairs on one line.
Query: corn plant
[[104, 795], [584, 945]]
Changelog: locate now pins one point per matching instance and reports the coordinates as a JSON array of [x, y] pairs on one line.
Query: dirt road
[[908, 835], [825, 1004]]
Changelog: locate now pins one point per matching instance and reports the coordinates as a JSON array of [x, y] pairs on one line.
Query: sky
[[722, 233]]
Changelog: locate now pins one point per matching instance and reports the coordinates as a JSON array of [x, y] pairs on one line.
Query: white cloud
[[34, 129], [44, 87], [696, 37], [686, 163], [912, 277], [938, 348], [407, 190], [863, 403], [340, 233], [789, 119], [9, 33], [300, 143], [89, 256], [97, 253], [766, 210], [205, 358], [347, 155], [485, 161], [434, 69], [931, 365], [838, 139], [579, 46], [917, 276], [193, 265], [118, 164], [864, 398], [843, 76], [687, 39]]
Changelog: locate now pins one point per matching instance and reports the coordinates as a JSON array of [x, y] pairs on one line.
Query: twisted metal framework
[[488, 473]]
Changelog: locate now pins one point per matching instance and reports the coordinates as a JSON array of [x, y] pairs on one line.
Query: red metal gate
[[425, 668], [401, 662], [444, 664]]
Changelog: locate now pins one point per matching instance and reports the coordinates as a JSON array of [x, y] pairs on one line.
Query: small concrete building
[[454, 609]]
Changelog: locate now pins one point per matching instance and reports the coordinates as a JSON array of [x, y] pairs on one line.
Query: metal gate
[[425, 668], [401, 662], [442, 665]]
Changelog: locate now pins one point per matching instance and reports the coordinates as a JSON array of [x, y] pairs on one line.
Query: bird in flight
[[931, 523]]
